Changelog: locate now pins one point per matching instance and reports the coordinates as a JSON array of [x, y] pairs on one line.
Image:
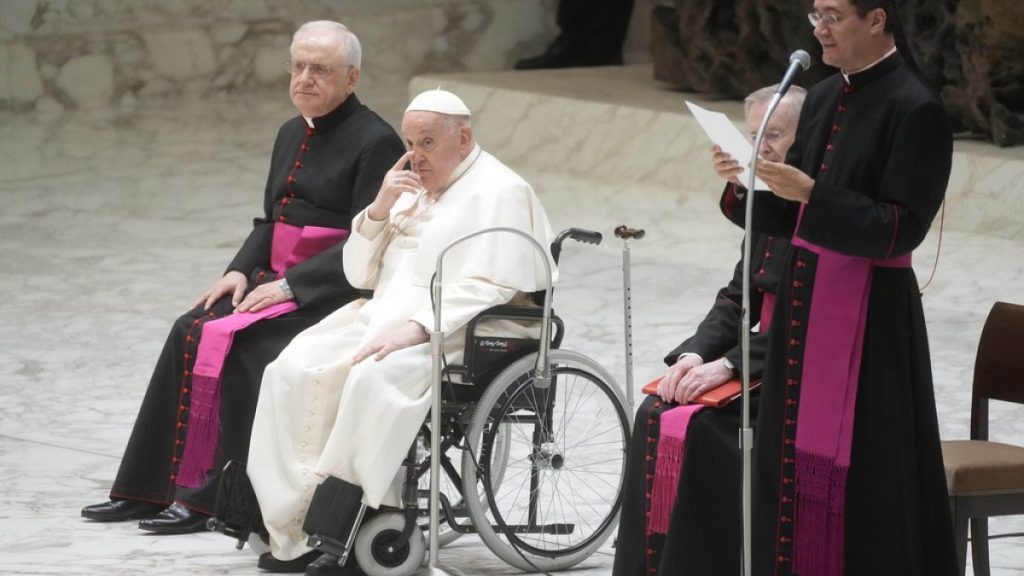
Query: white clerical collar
[[309, 121], [846, 75], [462, 167]]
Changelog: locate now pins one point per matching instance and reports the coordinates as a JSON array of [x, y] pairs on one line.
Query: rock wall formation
[[971, 51]]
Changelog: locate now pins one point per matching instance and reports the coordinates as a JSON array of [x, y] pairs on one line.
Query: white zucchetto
[[440, 101]]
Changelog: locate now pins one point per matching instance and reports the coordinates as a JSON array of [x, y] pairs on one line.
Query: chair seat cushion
[[981, 468]]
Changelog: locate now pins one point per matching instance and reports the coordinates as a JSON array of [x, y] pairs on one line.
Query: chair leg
[[960, 537], [979, 546]]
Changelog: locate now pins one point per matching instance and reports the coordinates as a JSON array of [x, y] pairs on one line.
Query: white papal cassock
[[318, 414]]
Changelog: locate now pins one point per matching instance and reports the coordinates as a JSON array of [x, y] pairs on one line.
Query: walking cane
[[627, 233]]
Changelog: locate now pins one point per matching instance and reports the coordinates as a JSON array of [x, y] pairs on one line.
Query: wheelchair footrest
[[327, 545], [334, 509], [236, 512], [240, 534], [334, 515]]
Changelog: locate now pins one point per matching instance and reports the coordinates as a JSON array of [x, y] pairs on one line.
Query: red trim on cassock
[[730, 201], [895, 231]]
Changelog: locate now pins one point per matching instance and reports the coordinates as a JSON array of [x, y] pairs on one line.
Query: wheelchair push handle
[[581, 235], [577, 234]]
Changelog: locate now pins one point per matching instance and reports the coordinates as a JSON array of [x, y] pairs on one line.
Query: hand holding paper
[[724, 133], [786, 181]]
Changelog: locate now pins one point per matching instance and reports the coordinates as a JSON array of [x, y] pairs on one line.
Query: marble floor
[[112, 224]]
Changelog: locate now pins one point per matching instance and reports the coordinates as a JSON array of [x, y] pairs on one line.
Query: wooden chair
[[987, 478]]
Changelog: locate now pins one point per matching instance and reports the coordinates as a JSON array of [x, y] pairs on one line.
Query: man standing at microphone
[[848, 475]]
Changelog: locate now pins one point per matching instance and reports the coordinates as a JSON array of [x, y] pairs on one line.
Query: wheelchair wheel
[[562, 487], [375, 550], [453, 492]]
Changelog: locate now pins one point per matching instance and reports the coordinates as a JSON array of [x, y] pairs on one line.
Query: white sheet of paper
[[724, 133]]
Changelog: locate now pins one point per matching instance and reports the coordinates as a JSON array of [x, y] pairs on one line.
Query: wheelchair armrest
[[516, 312], [485, 356]]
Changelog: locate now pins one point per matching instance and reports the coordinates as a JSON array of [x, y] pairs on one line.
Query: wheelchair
[[534, 468]]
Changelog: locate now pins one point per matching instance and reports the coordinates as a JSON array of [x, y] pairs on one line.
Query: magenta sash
[[668, 466], [291, 245], [833, 347]]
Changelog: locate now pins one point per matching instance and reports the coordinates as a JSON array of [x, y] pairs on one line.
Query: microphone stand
[[746, 432]]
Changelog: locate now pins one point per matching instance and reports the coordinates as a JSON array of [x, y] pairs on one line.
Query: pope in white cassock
[[347, 397]]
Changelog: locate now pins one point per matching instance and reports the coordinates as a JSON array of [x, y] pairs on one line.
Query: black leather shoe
[[560, 54], [327, 565], [563, 53], [175, 519], [120, 510], [297, 566]]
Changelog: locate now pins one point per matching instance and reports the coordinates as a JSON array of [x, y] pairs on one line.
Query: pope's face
[[321, 79], [778, 135], [437, 146]]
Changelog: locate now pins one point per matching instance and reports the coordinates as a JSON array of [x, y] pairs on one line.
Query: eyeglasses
[[829, 19], [771, 136], [315, 70]]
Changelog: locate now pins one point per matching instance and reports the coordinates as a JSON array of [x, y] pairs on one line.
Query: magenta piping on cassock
[[767, 308], [291, 245]]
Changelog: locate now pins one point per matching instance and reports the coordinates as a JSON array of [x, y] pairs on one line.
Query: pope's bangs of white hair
[[352, 50], [791, 103], [455, 121]]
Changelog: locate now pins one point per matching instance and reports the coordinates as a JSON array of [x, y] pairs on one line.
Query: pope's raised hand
[[396, 182]]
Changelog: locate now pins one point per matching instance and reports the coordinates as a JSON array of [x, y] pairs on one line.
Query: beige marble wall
[[92, 54], [59, 55]]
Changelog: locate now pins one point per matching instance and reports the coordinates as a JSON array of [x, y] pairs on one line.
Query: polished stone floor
[[110, 225]]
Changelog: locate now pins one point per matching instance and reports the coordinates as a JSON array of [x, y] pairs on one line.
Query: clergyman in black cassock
[[326, 166], [700, 526], [709, 481], [858, 192]]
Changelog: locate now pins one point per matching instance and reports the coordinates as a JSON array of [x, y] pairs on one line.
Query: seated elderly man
[[326, 166], [347, 397], [681, 508]]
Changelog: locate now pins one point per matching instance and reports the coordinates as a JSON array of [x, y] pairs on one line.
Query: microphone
[[799, 60]]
